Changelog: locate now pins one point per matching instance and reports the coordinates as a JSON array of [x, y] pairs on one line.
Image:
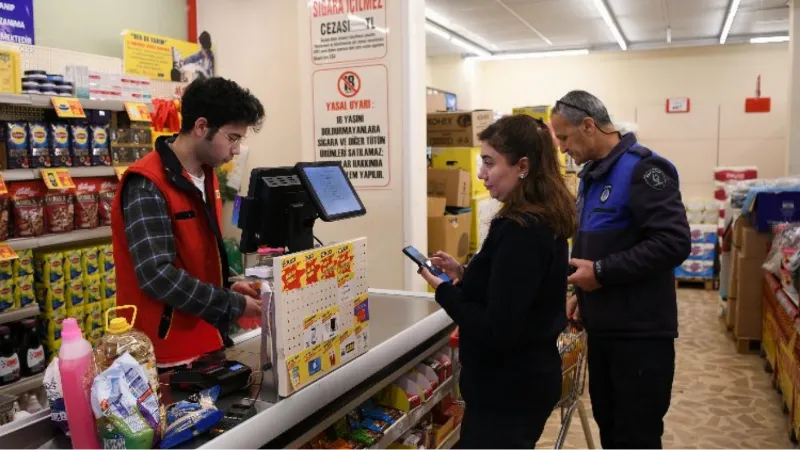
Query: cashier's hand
[[583, 277], [245, 288], [432, 279], [449, 265], [252, 307]]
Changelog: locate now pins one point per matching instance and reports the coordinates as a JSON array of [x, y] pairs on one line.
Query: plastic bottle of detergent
[[77, 373]]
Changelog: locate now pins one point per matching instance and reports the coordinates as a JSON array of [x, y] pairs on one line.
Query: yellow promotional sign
[[163, 58], [7, 253], [120, 170], [57, 179], [3, 187], [68, 107], [137, 112]]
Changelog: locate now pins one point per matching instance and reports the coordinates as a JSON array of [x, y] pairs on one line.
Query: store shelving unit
[[412, 418], [75, 172], [24, 385], [43, 101], [51, 240], [15, 315], [451, 439]]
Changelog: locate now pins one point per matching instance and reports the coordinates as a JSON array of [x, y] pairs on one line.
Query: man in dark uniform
[[633, 232]]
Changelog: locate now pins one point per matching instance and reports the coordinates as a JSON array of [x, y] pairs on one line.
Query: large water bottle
[[75, 365]]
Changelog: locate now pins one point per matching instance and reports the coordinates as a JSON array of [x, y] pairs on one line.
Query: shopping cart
[[572, 348]]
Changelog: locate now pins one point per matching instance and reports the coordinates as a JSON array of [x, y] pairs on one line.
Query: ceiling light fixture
[[469, 47], [726, 28], [442, 27], [669, 35], [769, 39], [548, 54], [610, 23], [431, 28]]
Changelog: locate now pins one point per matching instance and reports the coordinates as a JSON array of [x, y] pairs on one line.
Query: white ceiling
[[512, 25]]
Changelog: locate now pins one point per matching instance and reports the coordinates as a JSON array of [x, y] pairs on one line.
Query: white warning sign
[[351, 122], [345, 31]]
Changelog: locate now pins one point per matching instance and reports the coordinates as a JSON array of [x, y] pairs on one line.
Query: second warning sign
[[351, 122]]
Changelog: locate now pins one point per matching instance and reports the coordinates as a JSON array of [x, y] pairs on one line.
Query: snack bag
[[7, 302], [187, 419], [108, 190], [59, 145], [55, 396], [39, 145], [23, 266], [92, 289], [6, 270], [126, 408], [87, 203], [90, 261], [109, 285], [94, 316], [49, 268], [75, 293], [55, 302], [27, 198], [99, 146], [73, 264], [24, 294], [81, 156], [60, 211], [106, 258], [16, 139]]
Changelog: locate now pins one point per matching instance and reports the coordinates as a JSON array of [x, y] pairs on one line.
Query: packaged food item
[[378, 426], [49, 268], [6, 270], [10, 369], [90, 261], [108, 190], [365, 437], [369, 410], [55, 302], [108, 287], [73, 264], [24, 294], [59, 145], [17, 150], [187, 419], [75, 293], [126, 408], [55, 396], [23, 266], [120, 337], [94, 316], [7, 301], [39, 144], [81, 153], [106, 258], [92, 289], [5, 216], [124, 156], [109, 304], [31, 350], [87, 203], [99, 146], [28, 205], [60, 210]]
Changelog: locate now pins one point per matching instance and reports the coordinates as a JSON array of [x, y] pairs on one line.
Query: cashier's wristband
[[598, 272]]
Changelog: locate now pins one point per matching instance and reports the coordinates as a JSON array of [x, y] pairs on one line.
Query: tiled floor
[[720, 399]]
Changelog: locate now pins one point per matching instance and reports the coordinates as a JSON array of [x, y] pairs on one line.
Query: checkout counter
[[405, 327]]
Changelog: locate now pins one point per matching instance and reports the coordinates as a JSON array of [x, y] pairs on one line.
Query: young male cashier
[[632, 233], [166, 222]]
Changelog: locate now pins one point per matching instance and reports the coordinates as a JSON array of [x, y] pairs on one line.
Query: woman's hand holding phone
[[448, 265]]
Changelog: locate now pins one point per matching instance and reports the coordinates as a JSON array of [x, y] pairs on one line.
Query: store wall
[[635, 86], [94, 26]]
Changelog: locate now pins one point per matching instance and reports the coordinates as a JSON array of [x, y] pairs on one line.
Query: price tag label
[[120, 171], [57, 179], [3, 187], [68, 107], [7, 253], [138, 112]]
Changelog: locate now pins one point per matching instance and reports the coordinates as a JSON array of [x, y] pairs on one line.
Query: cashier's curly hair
[[220, 102], [543, 193]]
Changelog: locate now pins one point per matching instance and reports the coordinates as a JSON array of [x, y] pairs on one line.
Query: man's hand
[[252, 307], [246, 288], [583, 277], [572, 309], [449, 265]]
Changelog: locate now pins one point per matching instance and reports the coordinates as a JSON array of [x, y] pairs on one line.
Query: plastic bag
[[55, 396], [125, 406], [787, 239], [187, 419]]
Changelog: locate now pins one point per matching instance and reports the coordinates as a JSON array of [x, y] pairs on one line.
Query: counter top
[[404, 329]]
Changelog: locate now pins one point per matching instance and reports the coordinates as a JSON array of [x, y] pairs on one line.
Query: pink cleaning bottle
[[77, 373]]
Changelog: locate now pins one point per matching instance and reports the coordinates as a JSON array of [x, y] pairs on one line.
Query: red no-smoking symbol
[[349, 84]]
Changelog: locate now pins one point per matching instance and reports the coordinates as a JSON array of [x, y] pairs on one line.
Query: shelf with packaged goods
[[412, 418], [75, 172], [452, 439], [43, 101], [15, 315], [51, 240], [23, 385]]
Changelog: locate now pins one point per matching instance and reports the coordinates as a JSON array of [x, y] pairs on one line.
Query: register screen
[[335, 194]]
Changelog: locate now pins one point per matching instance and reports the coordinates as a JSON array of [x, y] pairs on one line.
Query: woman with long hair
[[509, 302]]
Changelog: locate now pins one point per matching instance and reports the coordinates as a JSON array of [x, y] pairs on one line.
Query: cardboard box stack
[[456, 149], [744, 314]]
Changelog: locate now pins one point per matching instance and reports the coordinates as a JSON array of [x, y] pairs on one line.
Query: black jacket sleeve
[[520, 259], [659, 215]]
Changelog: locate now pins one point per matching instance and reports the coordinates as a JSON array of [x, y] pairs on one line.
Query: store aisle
[[720, 399]]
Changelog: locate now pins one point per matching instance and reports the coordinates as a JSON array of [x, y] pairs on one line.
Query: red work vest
[[176, 335]]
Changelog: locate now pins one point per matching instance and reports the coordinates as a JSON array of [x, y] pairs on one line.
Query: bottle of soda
[[9, 360], [31, 352]]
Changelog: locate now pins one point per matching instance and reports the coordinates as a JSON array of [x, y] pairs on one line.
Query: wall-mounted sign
[[163, 58], [678, 105], [758, 104], [347, 31], [16, 22]]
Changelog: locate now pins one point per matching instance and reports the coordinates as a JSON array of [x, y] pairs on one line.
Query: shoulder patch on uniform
[[655, 178]]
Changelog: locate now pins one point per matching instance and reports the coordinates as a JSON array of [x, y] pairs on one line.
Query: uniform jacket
[[633, 224], [176, 335]]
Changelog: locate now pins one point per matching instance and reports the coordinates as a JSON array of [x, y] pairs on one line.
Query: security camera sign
[[351, 122], [347, 30]]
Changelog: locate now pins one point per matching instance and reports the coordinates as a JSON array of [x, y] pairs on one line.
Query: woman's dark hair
[[220, 102], [543, 192], [204, 40]]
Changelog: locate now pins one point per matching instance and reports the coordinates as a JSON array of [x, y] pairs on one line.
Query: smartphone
[[422, 261]]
